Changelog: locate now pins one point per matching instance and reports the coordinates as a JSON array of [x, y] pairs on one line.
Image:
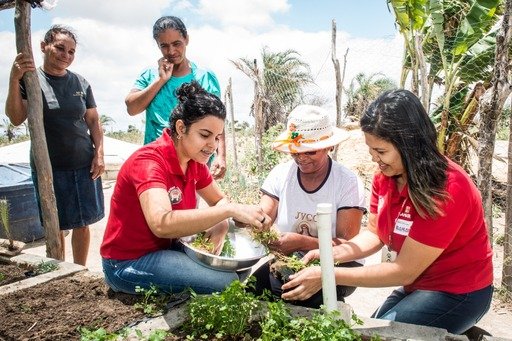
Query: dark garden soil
[[10, 273], [55, 310]]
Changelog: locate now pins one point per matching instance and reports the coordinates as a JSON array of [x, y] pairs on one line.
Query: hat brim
[[281, 144]]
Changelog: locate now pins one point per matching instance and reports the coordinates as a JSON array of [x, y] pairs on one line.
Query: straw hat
[[308, 129]]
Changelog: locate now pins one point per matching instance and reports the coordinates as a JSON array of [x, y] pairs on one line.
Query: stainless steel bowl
[[247, 252]]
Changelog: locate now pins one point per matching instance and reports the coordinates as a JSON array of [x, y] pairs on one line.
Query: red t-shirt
[[465, 265], [154, 165]]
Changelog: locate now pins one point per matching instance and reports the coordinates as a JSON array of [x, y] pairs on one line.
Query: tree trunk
[[229, 106], [424, 88], [39, 149], [506, 280], [258, 114], [336, 63], [491, 107]]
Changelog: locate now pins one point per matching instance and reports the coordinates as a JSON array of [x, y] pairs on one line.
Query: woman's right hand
[[22, 63], [251, 216]]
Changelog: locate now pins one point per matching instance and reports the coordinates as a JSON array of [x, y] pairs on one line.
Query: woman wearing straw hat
[[426, 215], [294, 188]]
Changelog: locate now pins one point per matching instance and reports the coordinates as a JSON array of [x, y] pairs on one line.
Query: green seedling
[[203, 243], [153, 302], [279, 325], [265, 238], [223, 315], [4, 218], [45, 267], [228, 250], [155, 335], [101, 334]]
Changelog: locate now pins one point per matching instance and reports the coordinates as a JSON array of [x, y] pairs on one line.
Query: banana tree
[[457, 44]]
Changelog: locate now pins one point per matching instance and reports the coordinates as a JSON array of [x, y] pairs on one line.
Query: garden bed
[[55, 310]]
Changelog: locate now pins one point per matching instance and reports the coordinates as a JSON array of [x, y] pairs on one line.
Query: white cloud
[[248, 14], [111, 53], [114, 12]]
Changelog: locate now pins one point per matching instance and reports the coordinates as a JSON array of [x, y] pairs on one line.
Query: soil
[[10, 273], [55, 310]]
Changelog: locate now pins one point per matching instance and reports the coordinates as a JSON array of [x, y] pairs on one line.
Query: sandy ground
[[364, 301]]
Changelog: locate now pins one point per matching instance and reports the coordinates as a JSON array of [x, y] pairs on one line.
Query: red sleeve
[[377, 185], [204, 178], [150, 173]]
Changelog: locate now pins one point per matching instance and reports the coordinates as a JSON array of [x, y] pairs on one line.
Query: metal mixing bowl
[[247, 252]]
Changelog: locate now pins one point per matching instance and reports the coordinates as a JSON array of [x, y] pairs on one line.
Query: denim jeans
[[171, 271], [453, 312]]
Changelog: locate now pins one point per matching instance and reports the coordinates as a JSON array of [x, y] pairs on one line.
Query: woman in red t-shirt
[[427, 217]]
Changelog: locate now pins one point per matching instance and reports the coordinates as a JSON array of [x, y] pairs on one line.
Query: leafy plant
[[220, 315], [4, 218], [100, 334], [155, 335], [270, 157], [153, 302], [45, 267], [2, 276], [203, 243], [228, 250], [278, 324], [265, 237], [284, 266]]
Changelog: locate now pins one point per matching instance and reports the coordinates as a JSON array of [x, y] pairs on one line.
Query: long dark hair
[[398, 117], [195, 103]]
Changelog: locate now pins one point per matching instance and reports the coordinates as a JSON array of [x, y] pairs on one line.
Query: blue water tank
[[17, 188]]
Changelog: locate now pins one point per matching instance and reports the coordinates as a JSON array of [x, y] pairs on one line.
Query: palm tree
[[106, 120], [363, 90], [281, 86]]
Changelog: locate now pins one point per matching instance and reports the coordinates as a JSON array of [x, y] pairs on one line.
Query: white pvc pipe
[[324, 216]]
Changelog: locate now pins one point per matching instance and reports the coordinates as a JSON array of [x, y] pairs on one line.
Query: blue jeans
[[453, 312], [171, 271]]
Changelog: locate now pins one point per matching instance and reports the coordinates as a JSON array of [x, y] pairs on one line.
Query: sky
[[115, 43]]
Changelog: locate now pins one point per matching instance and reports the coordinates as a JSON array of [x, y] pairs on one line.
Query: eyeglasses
[[312, 153]]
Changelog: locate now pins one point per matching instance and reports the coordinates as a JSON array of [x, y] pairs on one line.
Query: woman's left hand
[[217, 234], [97, 167], [303, 284], [218, 169]]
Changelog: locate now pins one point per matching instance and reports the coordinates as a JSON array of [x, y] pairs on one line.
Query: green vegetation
[[100, 334], [279, 325], [228, 250], [4, 219], [221, 315], [232, 315], [202, 243], [265, 238], [132, 135], [153, 303], [45, 267]]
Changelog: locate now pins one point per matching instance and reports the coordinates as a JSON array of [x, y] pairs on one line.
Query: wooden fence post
[[39, 148]]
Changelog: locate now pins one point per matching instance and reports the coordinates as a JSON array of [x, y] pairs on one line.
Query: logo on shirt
[[175, 195], [78, 94], [407, 213]]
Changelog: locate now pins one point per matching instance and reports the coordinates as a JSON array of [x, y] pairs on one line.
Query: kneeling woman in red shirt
[[154, 204], [427, 217]]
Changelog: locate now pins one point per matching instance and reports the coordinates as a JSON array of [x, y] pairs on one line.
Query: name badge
[[388, 255], [402, 227]]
